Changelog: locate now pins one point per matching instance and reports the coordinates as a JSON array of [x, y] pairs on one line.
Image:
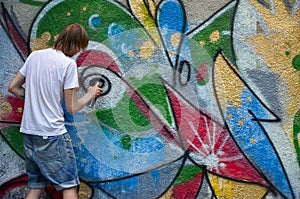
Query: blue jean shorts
[[50, 160]]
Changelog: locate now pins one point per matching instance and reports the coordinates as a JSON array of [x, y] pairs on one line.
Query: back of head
[[72, 39]]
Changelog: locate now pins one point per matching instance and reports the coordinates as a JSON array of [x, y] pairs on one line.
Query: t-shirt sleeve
[[23, 69], [71, 76]]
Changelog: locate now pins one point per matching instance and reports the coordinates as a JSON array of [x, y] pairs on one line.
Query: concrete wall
[[201, 98]]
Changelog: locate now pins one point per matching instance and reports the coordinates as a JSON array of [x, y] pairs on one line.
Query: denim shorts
[[50, 160]]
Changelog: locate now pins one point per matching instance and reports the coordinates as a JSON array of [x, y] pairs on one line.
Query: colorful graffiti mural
[[191, 108]]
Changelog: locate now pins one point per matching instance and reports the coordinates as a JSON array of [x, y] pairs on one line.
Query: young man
[[50, 76]]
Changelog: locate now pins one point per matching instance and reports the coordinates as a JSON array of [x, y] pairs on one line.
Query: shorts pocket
[[27, 153], [50, 162]]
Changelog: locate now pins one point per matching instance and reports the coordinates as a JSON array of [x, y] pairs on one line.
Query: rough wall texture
[[201, 98]]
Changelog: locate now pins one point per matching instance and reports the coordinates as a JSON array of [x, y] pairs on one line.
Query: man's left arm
[[16, 86]]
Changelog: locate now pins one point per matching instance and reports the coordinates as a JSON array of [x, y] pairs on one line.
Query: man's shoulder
[[39, 53], [51, 54]]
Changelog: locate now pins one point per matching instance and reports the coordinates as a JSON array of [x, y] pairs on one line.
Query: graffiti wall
[[201, 99]]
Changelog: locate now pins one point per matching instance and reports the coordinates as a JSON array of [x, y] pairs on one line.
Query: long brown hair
[[72, 39]]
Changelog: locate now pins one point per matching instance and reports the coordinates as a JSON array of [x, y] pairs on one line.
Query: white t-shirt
[[47, 73]]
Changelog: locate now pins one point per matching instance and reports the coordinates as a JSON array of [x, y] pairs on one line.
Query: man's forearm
[[16, 86], [18, 92]]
